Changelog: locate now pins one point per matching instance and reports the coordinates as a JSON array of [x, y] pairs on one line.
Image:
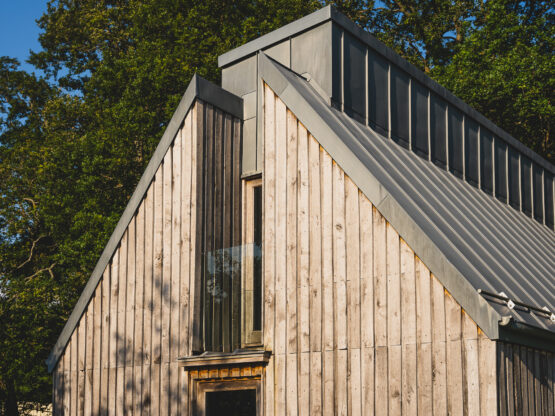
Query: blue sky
[[18, 30]]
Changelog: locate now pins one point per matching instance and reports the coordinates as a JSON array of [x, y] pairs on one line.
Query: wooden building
[[331, 232]]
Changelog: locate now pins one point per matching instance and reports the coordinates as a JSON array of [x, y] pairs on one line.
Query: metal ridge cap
[[198, 88], [300, 25]]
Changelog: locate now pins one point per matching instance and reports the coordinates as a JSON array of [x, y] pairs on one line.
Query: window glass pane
[[257, 260], [231, 403]]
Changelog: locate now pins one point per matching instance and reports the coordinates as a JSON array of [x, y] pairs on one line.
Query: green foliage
[[505, 69], [74, 143]]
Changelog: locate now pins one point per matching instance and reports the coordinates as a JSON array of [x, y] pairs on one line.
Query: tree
[[505, 69], [74, 143]]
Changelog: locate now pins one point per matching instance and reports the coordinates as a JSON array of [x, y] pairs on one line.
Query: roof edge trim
[[424, 247], [197, 88]]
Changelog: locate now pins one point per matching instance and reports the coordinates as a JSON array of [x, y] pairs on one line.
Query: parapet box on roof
[[329, 232]]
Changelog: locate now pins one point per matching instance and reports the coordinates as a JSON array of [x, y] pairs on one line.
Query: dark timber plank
[[227, 237], [208, 247], [236, 234], [218, 219], [198, 238]]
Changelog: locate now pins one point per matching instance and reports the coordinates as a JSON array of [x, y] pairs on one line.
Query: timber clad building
[[330, 232]]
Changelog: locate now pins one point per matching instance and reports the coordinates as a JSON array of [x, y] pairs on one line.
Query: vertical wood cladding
[[357, 324], [525, 379], [221, 224], [122, 357]]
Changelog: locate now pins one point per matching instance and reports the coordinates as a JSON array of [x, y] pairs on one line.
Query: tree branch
[[47, 269], [31, 253]]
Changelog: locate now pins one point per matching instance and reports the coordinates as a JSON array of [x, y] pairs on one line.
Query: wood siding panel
[[121, 359], [525, 383]]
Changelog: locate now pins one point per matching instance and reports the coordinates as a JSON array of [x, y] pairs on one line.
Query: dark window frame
[[252, 273]]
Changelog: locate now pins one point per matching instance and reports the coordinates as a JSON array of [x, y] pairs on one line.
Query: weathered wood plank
[[423, 303], [393, 287], [269, 241], [408, 330], [96, 363], [424, 377], [304, 278], [121, 338], [394, 376], [166, 271], [315, 382], [439, 369], [227, 229], [130, 297], [355, 382], [129, 389], [453, 356], [293, 315], [501, 380], [352, 241], [208, 221], [217, 224], [487, 370], [157, 292], [366, 273], [408, 294], [175, 397], [509, 362], [67, 379], [472, 386], [315, 250], [280, 335], [280, 384], [237, 225], [381, 381], [197, 207], [328, 399], [82, 341], [524, 378], [517, 385], [339, 259], [106, 339], [148, 301], [290, 384], [187, 217], [367, 390], [304, 383], [380, 279], [340, 385], [113, 354], [89, 347], [139, 308], [176, 241], [409, 385], [327, 252]]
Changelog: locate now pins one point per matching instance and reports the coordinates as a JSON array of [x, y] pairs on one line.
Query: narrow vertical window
[[252, 262]]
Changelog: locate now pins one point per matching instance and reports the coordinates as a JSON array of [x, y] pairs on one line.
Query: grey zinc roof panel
[[492, 246]]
